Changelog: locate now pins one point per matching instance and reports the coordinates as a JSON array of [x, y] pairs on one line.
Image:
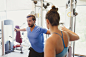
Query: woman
[[57, 44]]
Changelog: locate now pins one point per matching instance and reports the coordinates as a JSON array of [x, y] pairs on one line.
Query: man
[[35, 35]]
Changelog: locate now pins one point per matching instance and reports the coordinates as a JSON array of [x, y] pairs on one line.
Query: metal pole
[[71, 26], [41, 13], [35, 9], [2, 24], [74, 41], [38, 16], [71, 18], [6, 9], [75, 1], [3, 46]]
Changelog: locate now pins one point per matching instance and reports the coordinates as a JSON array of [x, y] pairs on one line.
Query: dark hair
[[53, 16], [33, 17]]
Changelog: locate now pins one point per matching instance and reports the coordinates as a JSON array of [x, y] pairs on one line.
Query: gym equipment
[[42, 5], [45, 6], [7, 42], [39, 9], [0, 37], [71, 7], [18, 39], [35, 2]]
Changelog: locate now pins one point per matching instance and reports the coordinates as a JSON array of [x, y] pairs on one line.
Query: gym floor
[[17, 53], [25, 50]]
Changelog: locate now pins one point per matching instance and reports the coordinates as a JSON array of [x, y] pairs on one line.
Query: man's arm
[[24, 29], [48, 32]]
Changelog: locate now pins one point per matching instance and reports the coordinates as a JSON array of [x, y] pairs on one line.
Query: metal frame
[[3, 38], [3, 46], [72, 5]]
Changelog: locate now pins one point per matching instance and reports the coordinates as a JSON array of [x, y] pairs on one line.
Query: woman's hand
[[64, 28]]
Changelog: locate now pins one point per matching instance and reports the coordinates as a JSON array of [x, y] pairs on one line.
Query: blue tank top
[[64, 52]]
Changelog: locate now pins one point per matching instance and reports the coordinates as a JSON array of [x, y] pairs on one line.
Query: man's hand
[[48, 32], [15, 29]]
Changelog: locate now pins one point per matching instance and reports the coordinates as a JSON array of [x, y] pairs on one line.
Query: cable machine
[[71, 9]]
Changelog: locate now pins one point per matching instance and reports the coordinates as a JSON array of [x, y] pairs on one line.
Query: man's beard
[[32, 25]]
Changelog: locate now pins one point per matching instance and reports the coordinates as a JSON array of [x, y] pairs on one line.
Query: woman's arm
[[49, 50], [73, 36]]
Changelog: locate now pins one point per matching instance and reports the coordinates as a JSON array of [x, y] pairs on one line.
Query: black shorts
[[33, 53]]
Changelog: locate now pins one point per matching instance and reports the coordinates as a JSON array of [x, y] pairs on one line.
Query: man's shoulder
[[38, 27], [27, 27]]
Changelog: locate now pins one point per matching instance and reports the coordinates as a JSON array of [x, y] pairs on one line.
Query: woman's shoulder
[[50, 42], [53, 38], [65, 34]]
